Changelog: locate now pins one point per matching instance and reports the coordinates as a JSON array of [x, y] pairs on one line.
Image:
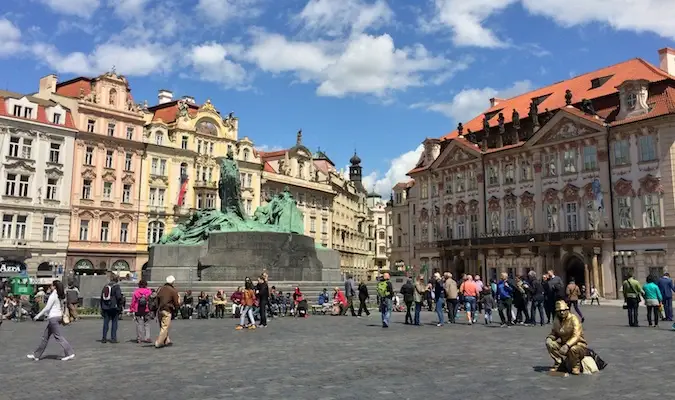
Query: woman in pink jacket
[[140, 302]]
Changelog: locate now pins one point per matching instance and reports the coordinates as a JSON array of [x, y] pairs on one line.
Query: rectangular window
[[105, 231], [10, 185], [590, 158], [91, 125], [525, 171], [152, 197], [493, 175], [160, 197], [199, 146], [28, 112], [21, 224], [200, 201], [23, 186], [86, 189], [111, 129], [48, 226], [312, 224], [473, 218], [7, 223], [324, 226], [509, 174], [52, 189], [84, 230], [184, 143], [461, 229], [162, 167], [109, 159], [128, 161], [159, 138], [652, 210], [54, 153], [89, 156], [511, 224], [14, 146], [550, 165], [424, 191], [124, 232], [154, 165], [552, 217], [570, 161], [621, 152], [27, 148], [130, 133], [625, 213], [107, 190], [249, 206], [126, 194], [17, 111], [571, 217], [210, 200], [460, 182], [647, 148], [56, 119]]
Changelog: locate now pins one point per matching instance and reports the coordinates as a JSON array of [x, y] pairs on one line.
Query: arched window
[[184, 171], [247, 154], [155, 231], [112, 97]]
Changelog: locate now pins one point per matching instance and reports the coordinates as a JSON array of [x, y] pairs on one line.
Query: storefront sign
[[12, 268]]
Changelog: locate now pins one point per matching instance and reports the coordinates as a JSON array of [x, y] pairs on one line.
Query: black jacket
[[408, 292], [363, 292], [115, 302], [537, 290], [264, 292]]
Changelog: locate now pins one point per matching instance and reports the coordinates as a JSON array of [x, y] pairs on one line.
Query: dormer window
[[634, 98], [56, 119], [17, 111], [28, 112], [112, 97], [631, 100]]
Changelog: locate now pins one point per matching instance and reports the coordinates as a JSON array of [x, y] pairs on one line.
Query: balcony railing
[[521, 237]]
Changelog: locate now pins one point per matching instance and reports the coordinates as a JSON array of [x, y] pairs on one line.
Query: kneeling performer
[[566, 341]]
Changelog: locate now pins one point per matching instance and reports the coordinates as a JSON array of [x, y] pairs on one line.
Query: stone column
[[595, 272], [587, 279]]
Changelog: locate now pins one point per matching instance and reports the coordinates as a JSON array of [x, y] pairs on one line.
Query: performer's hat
[[561, 305]]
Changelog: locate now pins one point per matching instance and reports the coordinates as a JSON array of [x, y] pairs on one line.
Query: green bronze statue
[[280, 214]]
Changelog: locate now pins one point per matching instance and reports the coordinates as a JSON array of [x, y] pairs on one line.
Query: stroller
[[301, 310]]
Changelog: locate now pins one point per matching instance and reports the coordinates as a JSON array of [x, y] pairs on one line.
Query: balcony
[[206, 184], [522, 238], [157, 210]]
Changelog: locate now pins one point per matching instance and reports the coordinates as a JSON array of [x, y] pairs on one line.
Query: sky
[[372, 76]]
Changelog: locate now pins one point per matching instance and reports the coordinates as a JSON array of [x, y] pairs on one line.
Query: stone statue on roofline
[[534, 113], [486, 126]]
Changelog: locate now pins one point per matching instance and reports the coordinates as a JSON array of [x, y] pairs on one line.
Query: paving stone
[[325, 357]]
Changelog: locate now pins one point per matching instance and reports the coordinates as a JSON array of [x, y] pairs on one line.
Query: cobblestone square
[[326, 357]]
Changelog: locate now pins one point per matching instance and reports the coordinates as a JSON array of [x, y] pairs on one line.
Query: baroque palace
[[575, 177], [91, 178]]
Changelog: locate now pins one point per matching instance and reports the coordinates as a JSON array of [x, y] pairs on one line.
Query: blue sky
[[373, 75]]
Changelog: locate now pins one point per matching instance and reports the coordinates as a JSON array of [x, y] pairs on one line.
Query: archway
[[44, 270], [460, 268], [574, 268]]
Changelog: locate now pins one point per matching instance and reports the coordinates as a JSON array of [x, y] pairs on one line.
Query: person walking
[[168, 301], [538, 295], [386, 292], [350, 292], [573, 294], [631, 295], [111, 303], [54, 312], [451, 295], [363, 298], [420, 290], [666, 287], [247, 301], [505, 300], [408, 292], [595, 296], [263, 300], [653, 301], [72, 300], [469, 291], [140, 309], [439, 295]]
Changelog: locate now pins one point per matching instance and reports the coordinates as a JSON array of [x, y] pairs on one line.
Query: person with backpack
[[386, 292], [140, 309], [72, 300], [111, 303]]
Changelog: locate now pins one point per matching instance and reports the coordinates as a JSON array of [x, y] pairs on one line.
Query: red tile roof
[[42, 106], [72, 87], [268, 168], [167, 112], [272, 154]]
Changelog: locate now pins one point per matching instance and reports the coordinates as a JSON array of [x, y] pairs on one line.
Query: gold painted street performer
[[566, 343]]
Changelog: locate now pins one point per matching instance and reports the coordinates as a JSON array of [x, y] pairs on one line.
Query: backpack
[[142, 303], [153, 302], [106, 294], [382, 289]]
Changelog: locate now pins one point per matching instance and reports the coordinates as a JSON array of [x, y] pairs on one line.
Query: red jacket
[[340, 297]]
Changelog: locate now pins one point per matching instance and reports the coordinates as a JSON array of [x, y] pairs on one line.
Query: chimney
[[667, 60], [48, 84], [189, 99], [164, 96]]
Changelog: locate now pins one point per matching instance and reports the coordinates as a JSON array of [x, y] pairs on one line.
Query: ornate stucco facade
[[574, 177], [400, 207], [381, 237], [36, 142]]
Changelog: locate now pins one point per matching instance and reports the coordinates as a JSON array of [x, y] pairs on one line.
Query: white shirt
[[53, 307]]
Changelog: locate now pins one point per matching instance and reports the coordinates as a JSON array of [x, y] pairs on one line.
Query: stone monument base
[[232, 256]]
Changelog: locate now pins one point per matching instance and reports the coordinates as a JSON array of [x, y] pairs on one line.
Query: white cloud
[[398, 168], [136, 60], [363, 64], [211, 61], [466, 21], [268, 148], [219, 11], [335, 18], [128, 9], [468, 103], [78, 8], [10, 38]]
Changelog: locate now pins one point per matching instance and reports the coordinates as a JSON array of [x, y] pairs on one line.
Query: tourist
[[72, 300], [451, 295], [538, 296], [439, 296], [632, 290], [247, 301], [566, 341], [653, 301], [408, 292], [203, 305], [573, 293], [557, 286], [582, 296], [420, 289], [339, 302], [40, 295], [236, 299], [549, 298], [505, 300], [297, 297], [489, 304], [386, 292], [350, 292], [140, 308], [469, 292], [595, 296], [479, 286], [324, 301], [167, 301], [54, 314], [263, 299], [429, 296], [667, 289], [220, 302], [111, 303], [187, 307], [520, 301], [363, 298]]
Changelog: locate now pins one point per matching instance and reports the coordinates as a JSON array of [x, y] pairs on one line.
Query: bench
[[318, 309]]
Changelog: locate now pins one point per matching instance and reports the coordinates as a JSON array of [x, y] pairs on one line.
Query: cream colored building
[[575, 177], [300, 171], [380, 244], [400, 207], [37, 140]]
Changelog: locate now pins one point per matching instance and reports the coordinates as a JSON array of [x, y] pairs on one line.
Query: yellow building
[[180, 168]]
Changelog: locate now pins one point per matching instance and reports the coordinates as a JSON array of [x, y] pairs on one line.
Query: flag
[[183, 189]]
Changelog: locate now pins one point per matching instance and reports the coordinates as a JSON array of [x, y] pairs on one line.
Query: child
[[488, 304]]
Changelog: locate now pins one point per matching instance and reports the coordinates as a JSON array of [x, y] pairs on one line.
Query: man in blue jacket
[[666, 288], [505, 300]]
